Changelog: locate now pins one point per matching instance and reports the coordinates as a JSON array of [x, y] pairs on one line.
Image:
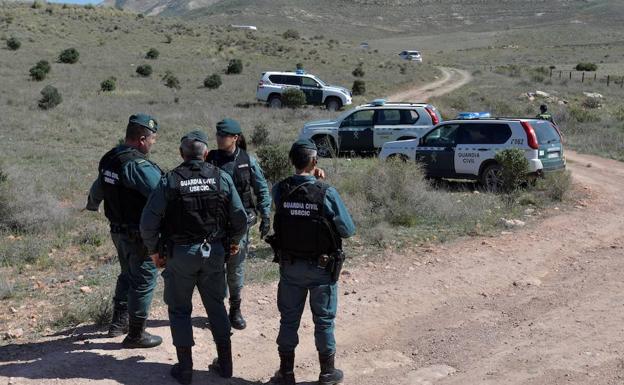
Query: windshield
[[320, 81], [545, 132]]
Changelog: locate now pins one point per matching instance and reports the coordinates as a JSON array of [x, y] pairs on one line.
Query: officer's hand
[[158, 260], [265, 227], [319, 173], [234, 249]]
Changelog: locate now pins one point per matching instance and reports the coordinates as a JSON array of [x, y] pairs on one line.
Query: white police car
[[317, 92], [367, 127], [465, 149]]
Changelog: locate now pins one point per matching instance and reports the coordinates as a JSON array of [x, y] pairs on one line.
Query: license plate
[[553, 155]]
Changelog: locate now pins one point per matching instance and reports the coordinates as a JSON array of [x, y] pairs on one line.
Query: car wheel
[[491, 178], [325, 147], [275, 102], [333, 104]]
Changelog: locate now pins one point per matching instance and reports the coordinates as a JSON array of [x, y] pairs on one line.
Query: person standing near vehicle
[[545, 115], [309, 223], [232, 157], [191, 221], [125, 181]]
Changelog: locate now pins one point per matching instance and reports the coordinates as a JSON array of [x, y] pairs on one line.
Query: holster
[[335, 265]]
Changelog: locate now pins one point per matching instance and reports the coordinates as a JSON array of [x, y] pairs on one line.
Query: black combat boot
[[329, 374], [137, 336], [119, 323], [183, 370], [236, 318], [286, 373], [223, 363]]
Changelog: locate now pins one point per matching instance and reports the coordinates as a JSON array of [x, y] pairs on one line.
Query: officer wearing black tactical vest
[[253, 189], [544, 114], [309, 222], [191, 213], [126, 179]]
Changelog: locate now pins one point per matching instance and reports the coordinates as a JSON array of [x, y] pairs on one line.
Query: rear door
[[436, 152], [478, 142], [390, 124], [550, 150], [312, 90], [356, 131]]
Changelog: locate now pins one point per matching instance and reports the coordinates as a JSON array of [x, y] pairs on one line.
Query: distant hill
[[370, 17]]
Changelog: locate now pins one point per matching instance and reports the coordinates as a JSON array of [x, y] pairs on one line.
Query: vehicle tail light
[[530, 133], [261, 84], [434, 118]]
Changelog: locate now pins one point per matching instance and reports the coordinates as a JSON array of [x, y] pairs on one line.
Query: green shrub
[[109, 84], [168, 39], [235, 66], [171, 80], [37, 73], [69, 56], [97, 308], [515, 168], [13, 44], [260, 135], [213, 81], [582, 115], [586, 67], [274, 162], [50, 98], [592, 103], [556, 185], [89, 7], [358, 72], [293, 98], [359, 87], [291, 34], [144, 70], [152, 54], [44, 65], [37, 4]]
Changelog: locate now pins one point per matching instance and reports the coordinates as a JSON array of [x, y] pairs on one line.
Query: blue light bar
[[300, 72], [378, 102], [473, 115]]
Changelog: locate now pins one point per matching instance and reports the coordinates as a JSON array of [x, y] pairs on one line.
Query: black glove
[[265, 227]]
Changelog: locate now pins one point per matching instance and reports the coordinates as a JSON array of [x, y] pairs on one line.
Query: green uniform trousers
[[185, 270], [138, 277]]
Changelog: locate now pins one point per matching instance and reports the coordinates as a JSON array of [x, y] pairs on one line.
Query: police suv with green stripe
[[465, 148], [366, 128]]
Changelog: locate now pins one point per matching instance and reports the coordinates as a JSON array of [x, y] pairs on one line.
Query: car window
[[276, 79], [445, 135], [409, 116], [546, 132], [309, 82], [485, 133], [359, 118], [292, 80], [388, 117]]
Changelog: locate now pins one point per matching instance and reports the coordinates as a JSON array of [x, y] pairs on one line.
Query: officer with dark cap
[[192, 211], [545, 115], [126, 179], [252, 187], [309, 223]]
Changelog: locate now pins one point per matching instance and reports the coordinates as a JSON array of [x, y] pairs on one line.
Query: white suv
[[465, 149], [317, 92], [411, 55], [367, 127]]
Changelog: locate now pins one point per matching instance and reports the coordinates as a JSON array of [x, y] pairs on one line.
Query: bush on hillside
[[213, 81], [515, 168], [144, 70], [69, 56], [152, 54], [274, 162], [13, 44], [291, 34], [171, 80], [50, 98], [235, 66], [586, 67], [293, 98], [109, 84], [359, 87]]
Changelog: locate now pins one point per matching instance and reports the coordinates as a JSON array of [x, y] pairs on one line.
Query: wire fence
[[573, 75]]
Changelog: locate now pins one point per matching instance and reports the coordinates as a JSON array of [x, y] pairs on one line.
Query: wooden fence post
[[583, 77], [608, 80], [570, 75], [560, 72]]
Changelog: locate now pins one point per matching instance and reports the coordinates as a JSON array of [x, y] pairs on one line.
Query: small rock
[[14, 334], [13, 310], [345, 272], [529, 211], [542, 94], [595, 95], [86, 289], [263, 302], [80, 277]]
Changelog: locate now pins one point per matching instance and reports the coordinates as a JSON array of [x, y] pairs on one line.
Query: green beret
[[302, 144], [229, 127], [196, 135], [144, 120]]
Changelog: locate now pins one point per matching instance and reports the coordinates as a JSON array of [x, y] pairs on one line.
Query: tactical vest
[[238, 166], [545, 116], [196, 206], [300, 223], [122, 205]]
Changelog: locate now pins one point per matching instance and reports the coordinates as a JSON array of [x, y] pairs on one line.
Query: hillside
[[369, 18]]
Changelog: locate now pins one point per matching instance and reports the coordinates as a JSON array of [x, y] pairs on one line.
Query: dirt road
[[541, 305], [451, 79]]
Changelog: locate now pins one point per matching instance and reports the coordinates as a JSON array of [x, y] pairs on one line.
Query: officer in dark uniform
[[191, 214], [309, 223], [252, 187], [545, 115], [126, 179]]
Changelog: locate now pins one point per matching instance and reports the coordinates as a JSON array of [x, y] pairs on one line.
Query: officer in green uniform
[[126, 179], [545, 115], [252, 187], [193, 211], [309, 223]]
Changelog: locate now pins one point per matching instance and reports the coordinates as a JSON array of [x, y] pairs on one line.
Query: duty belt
[[116, 228]]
